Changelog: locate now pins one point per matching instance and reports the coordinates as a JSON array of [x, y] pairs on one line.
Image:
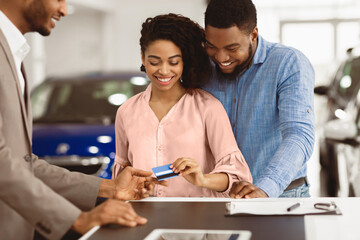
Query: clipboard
[[271, 208]]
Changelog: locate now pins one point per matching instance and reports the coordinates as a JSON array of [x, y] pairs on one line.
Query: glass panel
[[347, 36], [315, 40]]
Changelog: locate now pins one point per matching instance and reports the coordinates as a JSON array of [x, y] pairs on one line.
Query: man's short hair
[[228, 13]]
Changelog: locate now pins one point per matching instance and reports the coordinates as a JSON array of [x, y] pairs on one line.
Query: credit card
[[164, 172]]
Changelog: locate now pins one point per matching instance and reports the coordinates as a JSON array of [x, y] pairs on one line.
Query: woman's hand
[[190, 170]]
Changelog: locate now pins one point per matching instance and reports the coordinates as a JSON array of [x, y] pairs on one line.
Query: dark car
[[342, 90], [74, 119]]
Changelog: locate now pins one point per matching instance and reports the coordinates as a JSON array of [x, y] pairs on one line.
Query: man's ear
[[254, 34]]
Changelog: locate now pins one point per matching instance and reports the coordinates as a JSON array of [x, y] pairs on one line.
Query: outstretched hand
[[130, 184], [135, 184], [111, 211], [245, 189]]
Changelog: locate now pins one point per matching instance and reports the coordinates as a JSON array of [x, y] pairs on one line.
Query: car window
[[41, 99], [90, 101], [349, 79]]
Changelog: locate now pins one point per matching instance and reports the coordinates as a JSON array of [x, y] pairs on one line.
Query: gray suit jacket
[[33, 194]]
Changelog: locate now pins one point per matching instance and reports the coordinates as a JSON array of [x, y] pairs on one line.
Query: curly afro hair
[[188, 36], [228, 13]]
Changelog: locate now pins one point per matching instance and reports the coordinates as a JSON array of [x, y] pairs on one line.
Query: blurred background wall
[[104, 35], [100, 36]]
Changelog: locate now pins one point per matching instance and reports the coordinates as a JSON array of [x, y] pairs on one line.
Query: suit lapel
[[26, 117], [27, 103]]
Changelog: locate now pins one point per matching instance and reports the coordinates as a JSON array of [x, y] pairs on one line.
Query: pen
[[292, 207]]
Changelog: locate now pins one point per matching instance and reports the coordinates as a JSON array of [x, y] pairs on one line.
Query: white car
[[343, 134], [340, 93]]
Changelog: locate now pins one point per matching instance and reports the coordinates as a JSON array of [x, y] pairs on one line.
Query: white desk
[[344, 227]]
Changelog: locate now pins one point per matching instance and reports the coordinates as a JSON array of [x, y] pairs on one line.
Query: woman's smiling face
[[163, 63]]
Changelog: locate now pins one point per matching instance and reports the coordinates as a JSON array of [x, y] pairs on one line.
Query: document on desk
[[269, 208]]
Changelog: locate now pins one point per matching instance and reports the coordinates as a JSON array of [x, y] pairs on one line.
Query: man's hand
[[130, 184], [135, 184], [245, 189], [111, 211]]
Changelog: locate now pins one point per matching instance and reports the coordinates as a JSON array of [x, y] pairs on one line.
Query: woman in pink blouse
[[175, 122]]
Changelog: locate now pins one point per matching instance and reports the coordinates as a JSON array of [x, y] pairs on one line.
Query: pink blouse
[[197, 126]]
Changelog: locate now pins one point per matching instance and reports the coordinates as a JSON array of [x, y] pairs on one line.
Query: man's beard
[[35, 16], [239, 70]]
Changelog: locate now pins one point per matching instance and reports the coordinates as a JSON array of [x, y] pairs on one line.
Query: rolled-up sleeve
[[234, 165], [296, 117]]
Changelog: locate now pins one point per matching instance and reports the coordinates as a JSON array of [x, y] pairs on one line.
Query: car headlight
[[340, 114]]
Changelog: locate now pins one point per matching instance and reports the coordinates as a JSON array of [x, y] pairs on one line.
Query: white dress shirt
[[18, 45]]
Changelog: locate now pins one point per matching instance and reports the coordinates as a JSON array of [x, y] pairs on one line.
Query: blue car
[[74, 119]]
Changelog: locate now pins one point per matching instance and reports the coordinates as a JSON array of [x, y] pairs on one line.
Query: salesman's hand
[[134, 183], [130, 184], [111, 211], [245, 189]]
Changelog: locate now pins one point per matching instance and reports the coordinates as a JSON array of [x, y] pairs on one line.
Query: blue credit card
[[164, 172]]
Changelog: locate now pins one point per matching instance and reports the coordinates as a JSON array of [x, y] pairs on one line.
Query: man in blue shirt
[[267, 91]]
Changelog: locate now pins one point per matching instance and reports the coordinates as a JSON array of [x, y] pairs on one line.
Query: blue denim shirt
[[271, 110]]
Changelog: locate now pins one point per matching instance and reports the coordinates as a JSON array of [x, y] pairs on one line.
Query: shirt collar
[[260, 54], [147, 94], [16, 40]]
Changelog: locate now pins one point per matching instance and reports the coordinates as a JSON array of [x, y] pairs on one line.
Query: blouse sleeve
[[234, 165], [121, 156], [228, 158]]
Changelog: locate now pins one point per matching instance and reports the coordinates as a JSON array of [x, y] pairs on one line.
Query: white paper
[[275, 208]]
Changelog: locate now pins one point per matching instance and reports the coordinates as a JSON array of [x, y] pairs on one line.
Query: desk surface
[[204, 215], [208, 213]]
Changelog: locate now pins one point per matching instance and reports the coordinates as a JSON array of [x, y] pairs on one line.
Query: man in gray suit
[[34, 194]]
